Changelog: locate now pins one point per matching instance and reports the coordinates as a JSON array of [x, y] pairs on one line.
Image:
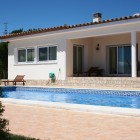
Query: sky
[[29, 14]]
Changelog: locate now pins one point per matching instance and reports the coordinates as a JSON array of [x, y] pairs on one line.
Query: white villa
[[112, 45]]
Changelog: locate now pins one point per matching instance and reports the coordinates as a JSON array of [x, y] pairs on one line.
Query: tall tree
[[3, 60], [17, 31]]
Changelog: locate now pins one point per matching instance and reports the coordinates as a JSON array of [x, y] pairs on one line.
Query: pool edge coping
[[76, 107]]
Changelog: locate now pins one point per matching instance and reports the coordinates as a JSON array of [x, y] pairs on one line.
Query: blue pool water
[[113, 98]]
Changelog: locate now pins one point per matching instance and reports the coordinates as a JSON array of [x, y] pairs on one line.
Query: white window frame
[[36, 55], [18, 55], [117, 46], [26, 55], [46, 61]]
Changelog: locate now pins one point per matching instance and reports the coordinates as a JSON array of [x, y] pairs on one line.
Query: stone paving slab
[[61, 124]]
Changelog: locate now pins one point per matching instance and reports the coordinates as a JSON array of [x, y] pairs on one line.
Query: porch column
[[133, 54]]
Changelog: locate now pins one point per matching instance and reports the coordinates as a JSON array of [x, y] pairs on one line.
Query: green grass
[[18, 137]]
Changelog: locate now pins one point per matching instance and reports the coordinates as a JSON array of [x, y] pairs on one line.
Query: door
[[120, 59], [78, 59]]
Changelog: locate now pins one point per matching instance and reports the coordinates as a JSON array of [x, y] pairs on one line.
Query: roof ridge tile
[[40, 30]]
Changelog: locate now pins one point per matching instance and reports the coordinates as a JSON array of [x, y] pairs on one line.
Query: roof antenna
[[5, 30]]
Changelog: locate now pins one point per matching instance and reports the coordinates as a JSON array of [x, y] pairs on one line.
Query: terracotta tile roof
[[66, 27]]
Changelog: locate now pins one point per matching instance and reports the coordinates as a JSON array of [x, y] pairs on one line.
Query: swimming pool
[[112, 98]]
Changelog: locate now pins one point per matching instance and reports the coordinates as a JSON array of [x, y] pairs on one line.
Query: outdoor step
[[102, 81], [123, 82]]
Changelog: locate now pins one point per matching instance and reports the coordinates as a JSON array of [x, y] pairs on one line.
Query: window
[[42, 54], [52, 53], [26, 55], [21, 55], [47, 53], [120, 59], [30, 55]]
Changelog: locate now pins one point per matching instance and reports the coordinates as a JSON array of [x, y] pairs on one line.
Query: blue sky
[[28, 14]]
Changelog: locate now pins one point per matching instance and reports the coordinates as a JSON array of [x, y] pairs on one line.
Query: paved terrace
[[61, 124]]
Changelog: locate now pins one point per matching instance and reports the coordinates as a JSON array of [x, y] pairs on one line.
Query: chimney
[[97, 17]]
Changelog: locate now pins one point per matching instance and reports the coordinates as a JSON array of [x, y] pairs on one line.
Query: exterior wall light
[[97, 48]]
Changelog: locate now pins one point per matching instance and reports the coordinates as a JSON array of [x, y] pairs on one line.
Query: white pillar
[[133, 54], [35, 57]]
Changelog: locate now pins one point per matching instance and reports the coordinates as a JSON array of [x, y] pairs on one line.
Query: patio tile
[[60, 124]]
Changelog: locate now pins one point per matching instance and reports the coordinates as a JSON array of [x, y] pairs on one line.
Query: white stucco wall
[[38, 70], [100, 57], [92, 57], [104, 34], [105, 41]]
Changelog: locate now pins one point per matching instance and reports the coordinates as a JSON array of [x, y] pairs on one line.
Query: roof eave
[[58, 28]]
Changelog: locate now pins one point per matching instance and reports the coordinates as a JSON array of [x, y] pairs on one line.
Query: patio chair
[[94, 70], [91, 70], [18, 78]]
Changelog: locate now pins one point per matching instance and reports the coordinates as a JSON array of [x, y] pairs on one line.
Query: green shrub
[[18, 137], [4, 131]]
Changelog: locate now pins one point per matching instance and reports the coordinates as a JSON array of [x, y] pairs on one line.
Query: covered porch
[[117, 55]]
